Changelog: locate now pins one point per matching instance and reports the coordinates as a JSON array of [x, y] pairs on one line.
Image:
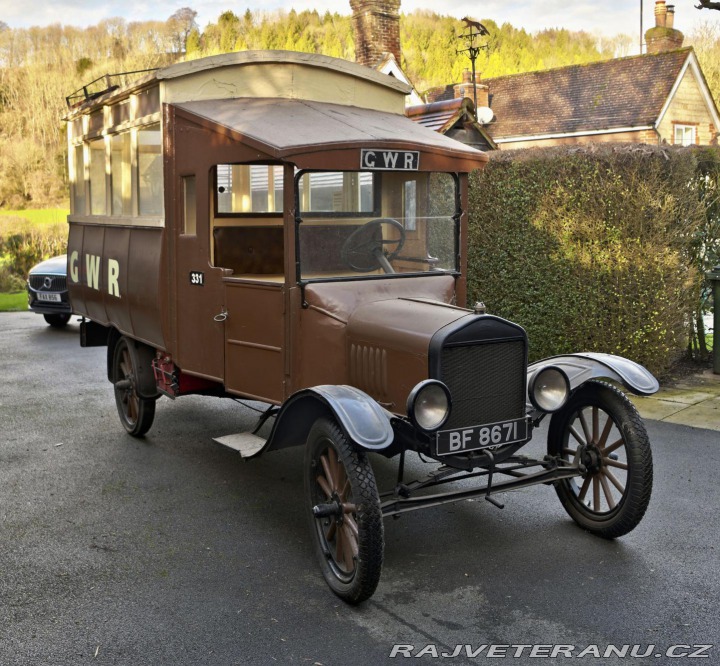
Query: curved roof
[[281, 58], [284, 128]]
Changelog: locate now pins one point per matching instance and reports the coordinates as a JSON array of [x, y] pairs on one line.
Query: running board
[[245, 443]]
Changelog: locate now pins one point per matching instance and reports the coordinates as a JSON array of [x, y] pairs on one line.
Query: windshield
[[354, 224]]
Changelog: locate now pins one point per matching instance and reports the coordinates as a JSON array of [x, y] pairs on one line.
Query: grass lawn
[[16, 302], [39, 217]]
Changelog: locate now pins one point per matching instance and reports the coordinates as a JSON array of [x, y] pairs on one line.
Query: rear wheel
[[344, 511], [136, 413], [600, 429], [57, 320]]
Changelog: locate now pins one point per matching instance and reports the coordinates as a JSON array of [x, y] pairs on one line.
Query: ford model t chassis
[[269, 226]]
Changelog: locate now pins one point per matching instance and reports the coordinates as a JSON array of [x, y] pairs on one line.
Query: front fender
[[590, 365], [364, 422]]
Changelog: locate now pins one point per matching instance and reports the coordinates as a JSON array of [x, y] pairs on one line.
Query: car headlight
[[549, 389], [429, 405]]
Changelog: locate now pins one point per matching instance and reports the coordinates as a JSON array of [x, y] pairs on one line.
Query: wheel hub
[[591, 458]]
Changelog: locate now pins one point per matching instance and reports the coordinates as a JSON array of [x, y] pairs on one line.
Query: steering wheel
[[364, 248]]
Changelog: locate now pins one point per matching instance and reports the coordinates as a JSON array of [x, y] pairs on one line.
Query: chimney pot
[[670, 18], [660, 14]]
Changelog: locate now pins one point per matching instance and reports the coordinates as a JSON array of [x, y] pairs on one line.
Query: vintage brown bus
[[270, 226]]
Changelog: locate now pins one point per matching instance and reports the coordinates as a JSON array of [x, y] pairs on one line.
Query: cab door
[[254, 339], [200, 297]]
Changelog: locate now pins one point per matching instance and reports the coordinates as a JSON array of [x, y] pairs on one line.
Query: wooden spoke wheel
[[344, 510], [136, 413], [600, 430]]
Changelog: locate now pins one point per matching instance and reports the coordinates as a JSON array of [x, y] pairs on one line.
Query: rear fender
[[581, 368], [146, 385], [365, 423]]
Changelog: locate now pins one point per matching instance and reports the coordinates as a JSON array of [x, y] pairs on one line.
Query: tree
[[182, 23], [707, 4]]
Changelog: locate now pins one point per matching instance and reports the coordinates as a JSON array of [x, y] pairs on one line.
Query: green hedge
[[22, 245], [590, 249]]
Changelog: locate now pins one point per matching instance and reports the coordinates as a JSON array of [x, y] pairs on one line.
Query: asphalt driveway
[[172, 550]]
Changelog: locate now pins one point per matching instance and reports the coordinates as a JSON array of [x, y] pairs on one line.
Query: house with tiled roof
[[658, 97], [652, 98]]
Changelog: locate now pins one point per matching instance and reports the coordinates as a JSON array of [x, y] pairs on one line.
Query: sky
[[607, 17]]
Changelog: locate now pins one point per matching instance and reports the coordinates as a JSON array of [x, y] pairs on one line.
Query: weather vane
[[473, 30]]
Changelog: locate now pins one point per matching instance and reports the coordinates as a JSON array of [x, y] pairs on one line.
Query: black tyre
[[601, 429], [348, 534], [57, 320], [136, 413]]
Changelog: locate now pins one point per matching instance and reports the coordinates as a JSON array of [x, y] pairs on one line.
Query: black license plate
[[462, 440]]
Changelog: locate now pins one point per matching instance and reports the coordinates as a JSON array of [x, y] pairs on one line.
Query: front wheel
[[600, 430], [344, 512], [136, 413]]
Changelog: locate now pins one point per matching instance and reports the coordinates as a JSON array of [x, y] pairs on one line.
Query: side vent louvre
[[368, 370]]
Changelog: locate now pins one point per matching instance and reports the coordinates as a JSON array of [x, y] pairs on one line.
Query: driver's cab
[[302, 249]]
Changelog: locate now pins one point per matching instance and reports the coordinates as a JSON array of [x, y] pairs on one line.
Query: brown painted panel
[[76, 286], [118, 278], [254, 339], [90, 272], [117, 297], [399, 330], [144, 279], [323, 349]]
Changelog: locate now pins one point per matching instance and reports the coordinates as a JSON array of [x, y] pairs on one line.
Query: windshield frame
[[377, 175]]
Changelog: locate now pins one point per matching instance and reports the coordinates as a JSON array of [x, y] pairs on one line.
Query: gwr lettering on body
[[93, 268]]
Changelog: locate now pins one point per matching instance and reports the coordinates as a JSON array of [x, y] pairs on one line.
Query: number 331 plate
[[462, 440]]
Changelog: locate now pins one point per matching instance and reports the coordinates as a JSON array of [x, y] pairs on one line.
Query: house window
[[684, 135]]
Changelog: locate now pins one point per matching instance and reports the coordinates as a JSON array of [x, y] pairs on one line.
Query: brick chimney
[[377, 30], [663, 37], [465, 89]]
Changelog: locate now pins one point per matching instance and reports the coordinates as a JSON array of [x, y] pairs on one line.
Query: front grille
[[58, 282], [486, 382]]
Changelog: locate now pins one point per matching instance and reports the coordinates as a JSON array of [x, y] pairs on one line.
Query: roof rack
[[106, 85]]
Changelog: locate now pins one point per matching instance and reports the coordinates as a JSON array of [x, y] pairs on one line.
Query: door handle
[[222, 316]]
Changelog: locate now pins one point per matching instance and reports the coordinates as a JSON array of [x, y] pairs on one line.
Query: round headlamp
[[429, 404], [549, 389]]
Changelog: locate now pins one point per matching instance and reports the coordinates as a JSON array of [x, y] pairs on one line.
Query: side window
[[78, 180], [121, 174], [98, 203], [249, 188], [150, 170], [189, 206]]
